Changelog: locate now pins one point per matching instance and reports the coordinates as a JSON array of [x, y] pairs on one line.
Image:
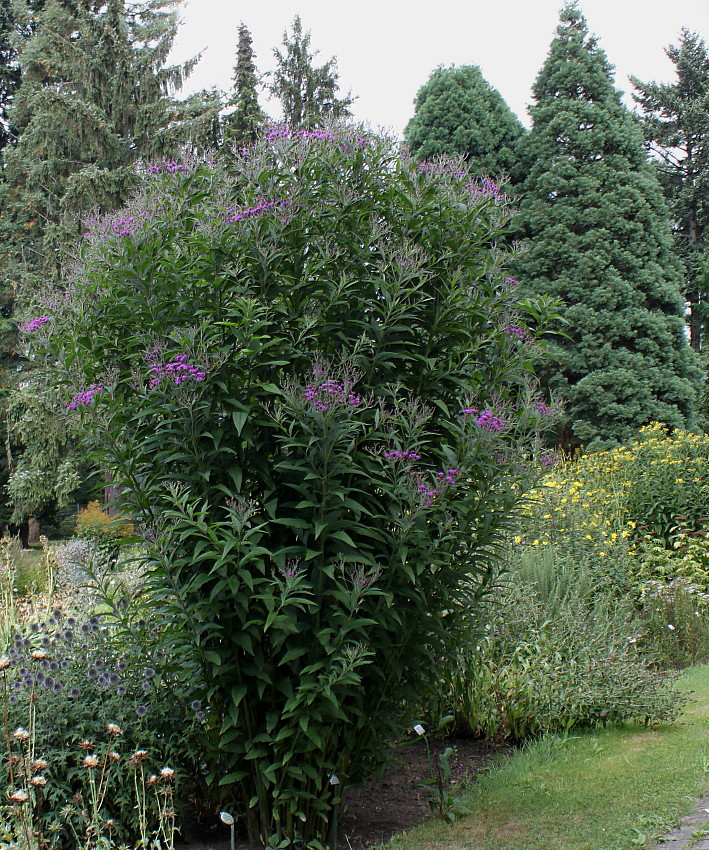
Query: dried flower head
[[114, 756], [39, 764], [91, 761], [38, 781], [153, 780], [21, 734], [38, 655], [19, 796], [4, 662], [138, 757], [167, 773], [113, 729], [86, 744]]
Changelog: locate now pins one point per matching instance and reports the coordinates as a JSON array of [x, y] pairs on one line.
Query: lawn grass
[[602, 789]]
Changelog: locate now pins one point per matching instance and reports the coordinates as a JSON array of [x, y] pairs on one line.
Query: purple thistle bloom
[[141, 711]]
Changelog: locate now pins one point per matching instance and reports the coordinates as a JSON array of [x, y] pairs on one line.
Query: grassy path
[[614, 789]]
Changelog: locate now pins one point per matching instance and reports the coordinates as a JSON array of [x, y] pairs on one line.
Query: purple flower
[[548, 459], [488, 420], [122, 227], [36, 323], [398, 455], [283, 132], [518, 332], [171, 167], [84, 398], [542, 408], [486, 188], [141, 711], [250, 212], [329, 394], [177, 371]]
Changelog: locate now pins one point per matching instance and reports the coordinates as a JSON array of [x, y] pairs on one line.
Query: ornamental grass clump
[[320, 503]]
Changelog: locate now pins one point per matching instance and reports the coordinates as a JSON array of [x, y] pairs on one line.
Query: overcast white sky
[[386, 49]]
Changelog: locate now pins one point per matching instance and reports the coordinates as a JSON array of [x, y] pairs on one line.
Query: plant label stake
[[228, 819]]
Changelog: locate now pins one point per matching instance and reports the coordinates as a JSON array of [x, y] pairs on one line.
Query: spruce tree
[[676, 125], [9, 68], [92, 102], [241, 126], [458, 113], [598, 237], [307, 94]]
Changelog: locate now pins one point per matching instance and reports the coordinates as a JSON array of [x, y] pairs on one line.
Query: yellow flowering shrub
[[103, 531], [656, 485]]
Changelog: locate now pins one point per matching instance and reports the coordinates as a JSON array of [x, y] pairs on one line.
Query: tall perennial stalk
[[312, 378]]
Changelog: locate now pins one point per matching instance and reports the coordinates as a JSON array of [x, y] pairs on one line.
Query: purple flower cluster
[[518, 332], [397, 455], [511, 282], [167, 168], [329, 394], [548, 459], [177, 371], [286, 133], [84, 398], [241, 215], [487, 420], [427, 490], [542, 408], [486, 187], [36, 323], [437, 168], [123, 227]]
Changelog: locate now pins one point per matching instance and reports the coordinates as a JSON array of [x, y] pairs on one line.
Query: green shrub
[[675, 622], [313, 381], [555, 653], [101, 530]]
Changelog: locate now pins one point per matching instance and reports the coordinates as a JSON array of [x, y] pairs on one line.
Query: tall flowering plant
[[300, 369]]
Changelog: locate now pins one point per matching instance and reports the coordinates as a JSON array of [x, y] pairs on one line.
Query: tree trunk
[[33, 531]]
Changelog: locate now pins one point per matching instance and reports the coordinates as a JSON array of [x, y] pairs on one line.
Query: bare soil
[[373, 814]]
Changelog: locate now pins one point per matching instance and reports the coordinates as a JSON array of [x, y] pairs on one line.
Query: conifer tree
[[598, 238], [458, 113], [241, 126], [92, 103], [307, 94], [676, 125], [9, 68]]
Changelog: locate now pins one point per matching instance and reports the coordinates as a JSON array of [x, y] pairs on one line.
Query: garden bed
[[388, 806]]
